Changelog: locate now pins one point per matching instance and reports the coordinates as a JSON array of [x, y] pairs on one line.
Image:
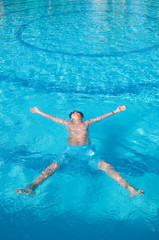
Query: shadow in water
[[134, 166], [90, 89]]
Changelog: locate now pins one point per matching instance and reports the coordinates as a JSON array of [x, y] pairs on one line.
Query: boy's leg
[[46, 173], [107, 168]]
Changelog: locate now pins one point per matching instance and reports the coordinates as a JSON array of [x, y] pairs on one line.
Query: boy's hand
[[120, 109], [34, 110]]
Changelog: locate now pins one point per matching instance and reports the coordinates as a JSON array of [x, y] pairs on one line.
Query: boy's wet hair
[[82, 115]]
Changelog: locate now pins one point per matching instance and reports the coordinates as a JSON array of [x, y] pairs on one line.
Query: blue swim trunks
[[74, 159], [80, 157]]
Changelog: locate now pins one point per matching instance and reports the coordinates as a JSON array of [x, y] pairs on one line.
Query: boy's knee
[[102, 164], [49, 170], [55, 165]]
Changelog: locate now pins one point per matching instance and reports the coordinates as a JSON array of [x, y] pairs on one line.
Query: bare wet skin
[[78, 136]]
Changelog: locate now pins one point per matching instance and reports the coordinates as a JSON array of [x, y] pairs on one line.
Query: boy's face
[[76, 115]]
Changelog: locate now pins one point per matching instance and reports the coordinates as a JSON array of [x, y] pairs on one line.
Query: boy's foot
[[134, 192], [25, 191]]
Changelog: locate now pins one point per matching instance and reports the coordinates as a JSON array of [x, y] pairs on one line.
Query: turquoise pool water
[[91, 56]]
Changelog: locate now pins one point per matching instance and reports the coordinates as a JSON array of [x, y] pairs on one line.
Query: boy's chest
[[78, 128]]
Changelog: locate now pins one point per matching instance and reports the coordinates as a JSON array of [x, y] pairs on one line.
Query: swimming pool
[[91, 56]]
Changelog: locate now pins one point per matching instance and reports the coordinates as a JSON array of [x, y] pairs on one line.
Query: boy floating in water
[[78, 136]]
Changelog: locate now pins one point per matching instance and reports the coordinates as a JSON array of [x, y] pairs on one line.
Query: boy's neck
[[78, 121]]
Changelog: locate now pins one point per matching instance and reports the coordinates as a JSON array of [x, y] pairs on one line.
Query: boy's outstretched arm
[[93, 120], [46, 173], [55, 119]]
